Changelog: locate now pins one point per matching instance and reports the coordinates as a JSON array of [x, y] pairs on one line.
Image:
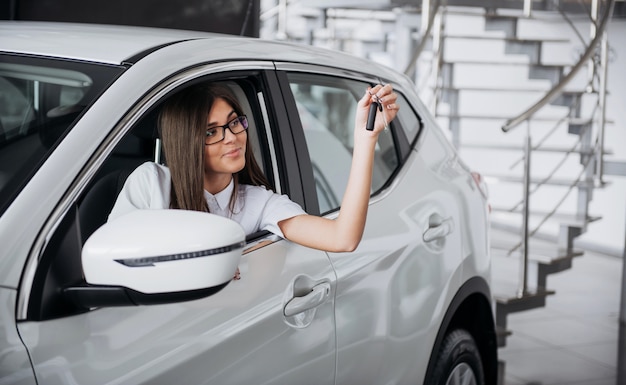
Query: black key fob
[[371, 118]]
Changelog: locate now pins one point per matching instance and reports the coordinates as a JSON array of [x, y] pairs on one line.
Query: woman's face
[[222, 159]]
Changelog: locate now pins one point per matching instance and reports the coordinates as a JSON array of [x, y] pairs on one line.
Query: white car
[[149, 298]]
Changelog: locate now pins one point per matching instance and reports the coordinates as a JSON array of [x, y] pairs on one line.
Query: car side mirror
[[158, 256]]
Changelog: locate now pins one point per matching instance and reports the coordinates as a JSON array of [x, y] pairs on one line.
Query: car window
[[408, 119], [61, 258], [39, 102], [327, 106]]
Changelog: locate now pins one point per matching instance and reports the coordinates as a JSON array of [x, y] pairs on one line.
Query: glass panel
[[327, 106], [408, 119], [39, 101]]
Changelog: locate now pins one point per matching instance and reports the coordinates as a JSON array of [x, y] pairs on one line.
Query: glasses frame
[[242, 121]]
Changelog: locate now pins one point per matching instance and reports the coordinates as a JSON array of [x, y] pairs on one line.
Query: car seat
[[136, 148]]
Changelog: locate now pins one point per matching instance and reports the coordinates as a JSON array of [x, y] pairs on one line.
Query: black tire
[[458, 361]]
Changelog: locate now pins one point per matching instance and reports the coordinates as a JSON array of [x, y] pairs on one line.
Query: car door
[[391, 290], [250, 332]]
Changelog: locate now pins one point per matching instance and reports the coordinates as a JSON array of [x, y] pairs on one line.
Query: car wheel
[[458, 361]]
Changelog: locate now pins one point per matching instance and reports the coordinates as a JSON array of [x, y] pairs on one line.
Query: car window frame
[[402, 144]]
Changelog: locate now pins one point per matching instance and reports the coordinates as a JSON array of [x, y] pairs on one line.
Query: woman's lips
[[232, 153]]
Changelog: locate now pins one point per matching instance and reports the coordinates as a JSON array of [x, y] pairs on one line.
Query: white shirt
[[256, 208]]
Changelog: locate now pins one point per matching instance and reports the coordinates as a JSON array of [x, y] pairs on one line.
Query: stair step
[[615, 167], [513, 76], [505, 88], [559, 257], [513, 39], [501, 335], [551, 182], [571, 219], [503, 118], [540, 243], [541, 149], [538, 253], [489, 50], [507, 9], [514, 303], [512, 64], [507, 103], [503, 332], [554, 266], [505, 237]]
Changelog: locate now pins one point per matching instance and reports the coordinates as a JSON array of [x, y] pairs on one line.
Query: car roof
[[117, 44], [111, 44]]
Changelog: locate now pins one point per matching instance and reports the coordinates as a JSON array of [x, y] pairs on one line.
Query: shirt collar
[[223, 197]]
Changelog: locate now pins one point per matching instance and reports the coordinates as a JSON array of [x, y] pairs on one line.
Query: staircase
[[492, 63], [477, 65], [484, 66]]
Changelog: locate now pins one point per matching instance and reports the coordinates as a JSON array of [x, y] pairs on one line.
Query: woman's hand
[[384, 96]]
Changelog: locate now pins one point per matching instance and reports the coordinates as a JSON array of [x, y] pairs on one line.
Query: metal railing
[[557, 89], [429, 12], [599, 38]]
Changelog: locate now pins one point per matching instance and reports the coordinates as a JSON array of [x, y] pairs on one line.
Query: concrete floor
[[574, 339]]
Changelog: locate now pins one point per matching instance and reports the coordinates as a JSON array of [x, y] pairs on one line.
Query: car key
[[371, 118]]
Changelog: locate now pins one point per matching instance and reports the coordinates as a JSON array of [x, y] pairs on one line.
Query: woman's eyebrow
[[228, 117]]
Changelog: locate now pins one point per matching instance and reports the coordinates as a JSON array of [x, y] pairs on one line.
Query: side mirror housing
[[158, 256]]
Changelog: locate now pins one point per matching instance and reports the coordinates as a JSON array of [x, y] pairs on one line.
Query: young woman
[[205, 142]]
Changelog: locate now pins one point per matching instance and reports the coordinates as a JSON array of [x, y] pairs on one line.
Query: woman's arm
[[344, 233]]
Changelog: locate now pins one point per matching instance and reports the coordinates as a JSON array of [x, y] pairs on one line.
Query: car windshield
[[40, 99]]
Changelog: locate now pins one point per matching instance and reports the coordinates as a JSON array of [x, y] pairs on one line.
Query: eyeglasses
[[218, 133]]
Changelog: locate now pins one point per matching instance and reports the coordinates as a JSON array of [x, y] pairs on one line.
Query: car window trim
[[275, 169], [300, 150], [283, 128]]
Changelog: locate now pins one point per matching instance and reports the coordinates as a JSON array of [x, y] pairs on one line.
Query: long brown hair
[[182, 124]]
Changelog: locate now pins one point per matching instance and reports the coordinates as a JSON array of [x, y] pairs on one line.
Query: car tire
[[458, 361]]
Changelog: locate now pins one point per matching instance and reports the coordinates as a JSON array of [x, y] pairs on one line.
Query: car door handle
[[317, 296], [438, 231]]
